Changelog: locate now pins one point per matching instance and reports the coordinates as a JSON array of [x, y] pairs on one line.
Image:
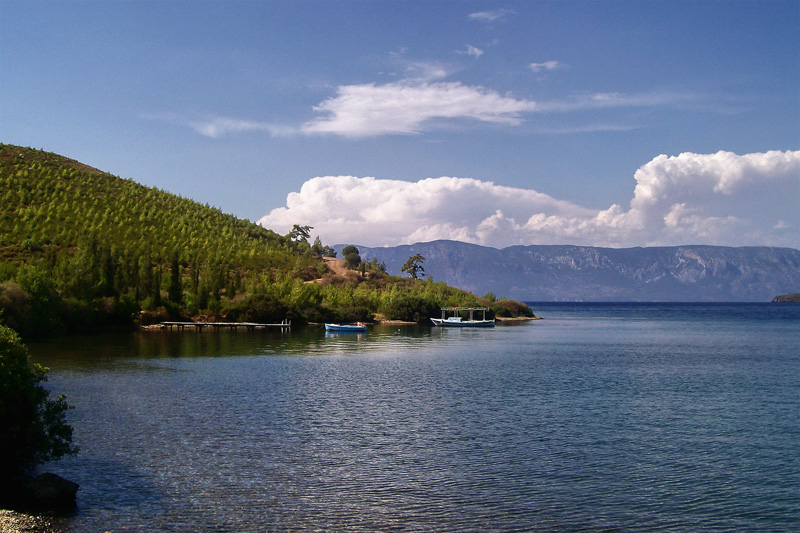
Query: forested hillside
[[81, 248]]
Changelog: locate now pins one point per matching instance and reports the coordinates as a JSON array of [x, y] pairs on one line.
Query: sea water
[[631, 417]]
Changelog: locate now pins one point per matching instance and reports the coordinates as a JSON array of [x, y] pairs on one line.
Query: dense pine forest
[[82, 249]]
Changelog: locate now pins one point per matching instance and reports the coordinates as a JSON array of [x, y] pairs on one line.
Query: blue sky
[[614, 123]]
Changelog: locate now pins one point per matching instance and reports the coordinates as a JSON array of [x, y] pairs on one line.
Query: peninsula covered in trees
[[82, 249]]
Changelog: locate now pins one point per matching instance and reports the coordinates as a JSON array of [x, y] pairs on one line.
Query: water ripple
[[649, 424]]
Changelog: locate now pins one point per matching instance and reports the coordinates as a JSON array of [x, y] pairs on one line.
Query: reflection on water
[[109, 348], [586, 420]]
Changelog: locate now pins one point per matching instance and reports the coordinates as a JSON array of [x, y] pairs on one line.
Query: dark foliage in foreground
[[34, 428]]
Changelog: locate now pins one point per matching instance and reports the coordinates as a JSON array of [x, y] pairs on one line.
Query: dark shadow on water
[[103, 350]]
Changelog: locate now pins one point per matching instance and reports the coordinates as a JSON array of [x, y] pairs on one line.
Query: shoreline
[[157, 327], [517, 318], [20, 522]]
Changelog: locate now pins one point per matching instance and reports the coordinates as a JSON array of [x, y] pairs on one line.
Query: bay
[[633, 417]]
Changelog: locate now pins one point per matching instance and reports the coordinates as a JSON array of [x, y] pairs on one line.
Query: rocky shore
[[17, 522]]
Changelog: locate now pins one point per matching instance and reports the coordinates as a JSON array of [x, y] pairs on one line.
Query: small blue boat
[[345, 328]]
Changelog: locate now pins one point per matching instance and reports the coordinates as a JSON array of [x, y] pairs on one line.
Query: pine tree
[[175, 286]]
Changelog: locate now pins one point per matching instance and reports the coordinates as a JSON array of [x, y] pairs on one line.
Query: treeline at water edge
[[82, 249]]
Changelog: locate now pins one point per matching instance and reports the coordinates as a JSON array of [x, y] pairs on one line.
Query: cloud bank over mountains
[[721, 199]]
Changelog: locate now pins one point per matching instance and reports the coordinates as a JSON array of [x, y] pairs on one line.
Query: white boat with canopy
[[451, 318]]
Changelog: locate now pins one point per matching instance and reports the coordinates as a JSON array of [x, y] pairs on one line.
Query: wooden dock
[[249, 326]]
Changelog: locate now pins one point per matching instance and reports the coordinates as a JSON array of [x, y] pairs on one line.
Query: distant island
[[793, 298]]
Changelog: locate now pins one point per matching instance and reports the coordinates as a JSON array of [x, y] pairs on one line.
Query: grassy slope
[[50, 202]]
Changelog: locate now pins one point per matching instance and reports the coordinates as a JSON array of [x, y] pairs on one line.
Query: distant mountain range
[[587, 273]]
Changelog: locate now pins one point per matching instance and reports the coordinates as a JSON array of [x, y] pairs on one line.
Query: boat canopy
[[457, 310]]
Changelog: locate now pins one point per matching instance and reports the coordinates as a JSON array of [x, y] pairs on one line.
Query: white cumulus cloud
[[404, 107], [721, 198], [714, 197]]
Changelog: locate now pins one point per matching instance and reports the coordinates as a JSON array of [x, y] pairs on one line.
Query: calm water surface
[[600, 417]]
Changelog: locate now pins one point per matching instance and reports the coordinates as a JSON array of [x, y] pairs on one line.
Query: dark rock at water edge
[[51, 491], [45, 492]]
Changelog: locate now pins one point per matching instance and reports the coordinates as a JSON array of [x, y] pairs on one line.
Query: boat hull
[[463, 323], [345, 328]]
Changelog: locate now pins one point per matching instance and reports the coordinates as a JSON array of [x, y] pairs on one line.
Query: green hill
[[52, 204], [81, 248]]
